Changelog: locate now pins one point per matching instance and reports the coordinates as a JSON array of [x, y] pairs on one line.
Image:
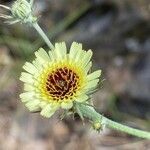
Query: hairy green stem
[[43, 35], [90, 113], [126, 129]]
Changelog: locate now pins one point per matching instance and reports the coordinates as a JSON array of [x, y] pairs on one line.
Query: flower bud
[[97, 126], [22, 11]]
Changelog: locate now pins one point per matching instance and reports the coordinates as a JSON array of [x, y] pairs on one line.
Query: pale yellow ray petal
[[91, 84], [66, 104], [26, 75], [81, 98], [88, 67], [42, 54], [79, 56], [48, 111], [43, 104], [94, 75], [74, 50], [27, 80], [37, 64], [27, 95], [60, 50], [29, 67], [86, 57], [28, 87], [33, 105]]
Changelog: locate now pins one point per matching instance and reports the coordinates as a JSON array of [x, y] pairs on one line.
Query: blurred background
[[118, 32]]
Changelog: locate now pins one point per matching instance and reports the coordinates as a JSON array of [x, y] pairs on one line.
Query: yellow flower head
[[58, 79]]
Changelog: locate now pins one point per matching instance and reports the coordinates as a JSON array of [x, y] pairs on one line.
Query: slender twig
[[126, 129], [43, 35]]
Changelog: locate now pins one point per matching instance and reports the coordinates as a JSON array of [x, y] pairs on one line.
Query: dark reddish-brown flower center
[[62, 83]]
